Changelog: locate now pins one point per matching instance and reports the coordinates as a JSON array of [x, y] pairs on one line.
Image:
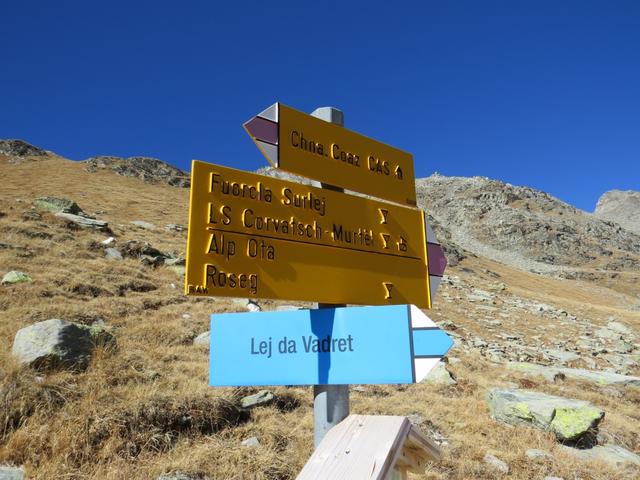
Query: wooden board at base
[[261, 237]]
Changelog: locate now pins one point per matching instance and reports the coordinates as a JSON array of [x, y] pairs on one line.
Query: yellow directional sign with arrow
[[257, 236], [307, 146]]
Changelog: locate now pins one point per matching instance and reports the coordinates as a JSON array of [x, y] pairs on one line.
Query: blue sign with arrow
[[333, 346]]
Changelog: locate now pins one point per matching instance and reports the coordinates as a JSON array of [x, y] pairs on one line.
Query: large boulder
[[569, 419], [56, 204], [84, 221], [611, 454], [58, 343], [15, 276], [598, 377]]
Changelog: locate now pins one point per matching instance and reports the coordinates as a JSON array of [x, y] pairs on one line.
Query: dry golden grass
[[144, 408]]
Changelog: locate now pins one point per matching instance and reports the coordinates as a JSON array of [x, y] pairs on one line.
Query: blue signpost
[[333, 346]]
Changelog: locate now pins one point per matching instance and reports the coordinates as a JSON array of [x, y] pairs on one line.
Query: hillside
[[531, 280]]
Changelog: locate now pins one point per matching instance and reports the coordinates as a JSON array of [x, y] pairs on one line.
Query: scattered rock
[[561, 356], [108, 241], [175, 227], [15, 276], [569, 419], [593, 376], [262, 398], [56, 204], [253, 306], [11, 473], [251, 442], [112, 254], [175, 261], [553, 478], [440, 376], [606, 334], [496, 464], [611, 454], [31, 215], [178, 475], [203, 339], [143, 224], [535, 454], [619, 327], [58, 343], [84, 221]]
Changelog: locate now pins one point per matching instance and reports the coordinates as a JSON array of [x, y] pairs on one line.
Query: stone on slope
[[11, 473], [143, 224], [263, 397], [496, 464], [569, 419], [203, 339], [611, 454], [178, 475], [250, 442], [598, 377], [440, 376], [112, 254], [84, 222], [58, 343], [57, 204], [535, 454], [15, 276]]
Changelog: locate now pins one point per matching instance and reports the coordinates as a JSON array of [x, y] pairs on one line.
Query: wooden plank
[[368, 447]]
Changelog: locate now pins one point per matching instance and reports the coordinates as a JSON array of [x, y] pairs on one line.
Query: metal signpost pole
[[330, 402]]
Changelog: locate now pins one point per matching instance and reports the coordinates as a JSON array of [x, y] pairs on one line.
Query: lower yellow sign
[[260, 237]]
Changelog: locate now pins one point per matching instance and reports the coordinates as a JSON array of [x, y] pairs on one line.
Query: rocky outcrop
[[151, 170], [570, 420], [524, 227], [622, 207], [56, 204], [58, 343], [20, 148]]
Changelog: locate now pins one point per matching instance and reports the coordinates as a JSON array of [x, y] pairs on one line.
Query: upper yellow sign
[[307, 146], [256, 236]]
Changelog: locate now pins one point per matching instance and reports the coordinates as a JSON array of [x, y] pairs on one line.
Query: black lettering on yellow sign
[[385, 238], [388, 287], [220, 245], [402, 245], [384, 214], [223, 213], [260, 249], [216, 278]]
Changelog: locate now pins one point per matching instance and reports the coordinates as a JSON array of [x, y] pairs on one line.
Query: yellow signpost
[[307, 146], [257, 236]]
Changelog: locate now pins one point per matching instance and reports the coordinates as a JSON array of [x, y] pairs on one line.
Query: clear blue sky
[[537, 93]]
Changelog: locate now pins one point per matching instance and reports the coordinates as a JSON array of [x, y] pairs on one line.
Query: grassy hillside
[[143, 407]]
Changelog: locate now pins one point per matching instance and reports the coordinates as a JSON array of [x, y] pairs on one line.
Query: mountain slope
[[144, 409]]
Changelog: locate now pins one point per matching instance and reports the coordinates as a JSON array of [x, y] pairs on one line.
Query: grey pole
[[330, 402]]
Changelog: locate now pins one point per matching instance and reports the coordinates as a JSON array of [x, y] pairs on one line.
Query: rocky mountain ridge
[[622, 207], [519, 226]]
